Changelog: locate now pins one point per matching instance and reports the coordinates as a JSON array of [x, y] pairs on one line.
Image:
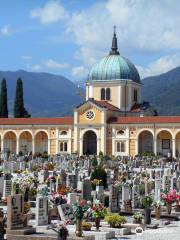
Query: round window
[[90, 115]]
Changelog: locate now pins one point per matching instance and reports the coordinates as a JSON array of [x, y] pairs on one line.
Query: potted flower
[[146, 202], [86, 226], [137, 218], [157, 205], [62, 231], [115, 220], [177, 207], [169, 199], [98, 212], [79, 209]]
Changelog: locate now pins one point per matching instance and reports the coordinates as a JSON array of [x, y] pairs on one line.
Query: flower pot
[[147, 216], [157, 213], [62, 237], [97, 223], [177, 208], [137, 221], [78, 227], [86, 228], [169, 208]]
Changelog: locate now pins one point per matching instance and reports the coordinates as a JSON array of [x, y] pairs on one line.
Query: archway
[[10, 142], [90, 143], [177, 139], [164, 143], [41, 142], [145, 142], [25, 142]]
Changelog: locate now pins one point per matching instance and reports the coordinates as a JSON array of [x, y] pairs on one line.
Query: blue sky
[[67, 37]]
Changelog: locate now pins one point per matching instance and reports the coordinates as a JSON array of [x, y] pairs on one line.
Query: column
[[57, 136], [98, 145], [17, 145], [155, 146], [174, 148], [33, 146], [81, 146], [49, 146], [136, 147], [2, 145]]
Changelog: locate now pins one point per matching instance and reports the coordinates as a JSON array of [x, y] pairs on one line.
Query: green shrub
[[114, 219]]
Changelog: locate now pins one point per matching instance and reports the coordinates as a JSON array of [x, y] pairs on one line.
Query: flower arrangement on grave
[[96, 182], [137, 217], [62, 189], [115, 220], [79, 210], [26, 207], [44, 191], [146, 202], [98, 212], [86, 226], [157, 205], [58, 199], [52, 178], [170, 199], [51, 166]]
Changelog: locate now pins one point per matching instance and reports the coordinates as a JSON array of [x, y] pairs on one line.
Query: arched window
[[122, 146], [61, 147], [103, 97], [120, 132], [64, 133], [135, 95], [108, 94], [65, 147], [118, 147]]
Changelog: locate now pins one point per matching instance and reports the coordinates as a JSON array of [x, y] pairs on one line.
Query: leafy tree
[[3, 100], [100, 174], [19, 109]]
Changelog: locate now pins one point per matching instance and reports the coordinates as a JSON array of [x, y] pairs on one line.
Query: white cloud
[[5, 30], [26, 57], [142, 26], [34, 67], [50, 63], [160, 66], [51, 12], [80, 72]]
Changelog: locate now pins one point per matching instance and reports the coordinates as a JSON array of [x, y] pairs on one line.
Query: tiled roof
[[154, 119], [37, 121], [107, 105]]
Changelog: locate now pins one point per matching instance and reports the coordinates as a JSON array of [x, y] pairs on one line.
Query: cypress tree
[[3, 100], [19, 109]]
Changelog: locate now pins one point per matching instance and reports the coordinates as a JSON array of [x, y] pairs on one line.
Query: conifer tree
[[3, 100], [19, 109]]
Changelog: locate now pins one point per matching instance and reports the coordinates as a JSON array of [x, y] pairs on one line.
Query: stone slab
[[24, 231]]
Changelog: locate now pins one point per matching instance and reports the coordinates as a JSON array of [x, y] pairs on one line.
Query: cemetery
[[87, 197]]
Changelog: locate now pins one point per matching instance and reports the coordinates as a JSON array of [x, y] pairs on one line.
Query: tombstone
[[166, 183], [86, 189], [7, 189], [125, 194], [135, 198], [174, 183], [41, 211], [100, 193], [114, 199], [66, 212], [71, 181], [157, 189], [15, 209], [1, 185], [71, 198], [2, 225]]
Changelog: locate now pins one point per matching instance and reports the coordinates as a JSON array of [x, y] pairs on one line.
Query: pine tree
[[3, 100], [19, 109]]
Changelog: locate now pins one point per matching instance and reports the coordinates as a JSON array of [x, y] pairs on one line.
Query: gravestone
[[71, 198], [66, 212], [114, 199], [86, 189], [125, 194], [157, 189], [41, 211], [7, 189], [15, 208]]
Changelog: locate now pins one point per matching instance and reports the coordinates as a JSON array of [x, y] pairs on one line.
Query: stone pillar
[[2, 145], [49, 146], [33, 146], [81, 146], [136, 147], [155, 146], [174, 148], [17, 145]]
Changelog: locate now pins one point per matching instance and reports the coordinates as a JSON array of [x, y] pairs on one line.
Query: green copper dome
[[114, 67]]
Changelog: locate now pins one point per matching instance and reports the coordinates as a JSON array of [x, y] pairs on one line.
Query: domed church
[[113, 119]]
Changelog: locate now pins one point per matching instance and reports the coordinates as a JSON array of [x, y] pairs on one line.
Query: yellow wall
[[132, 147], [114, 94], [96, 120]]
